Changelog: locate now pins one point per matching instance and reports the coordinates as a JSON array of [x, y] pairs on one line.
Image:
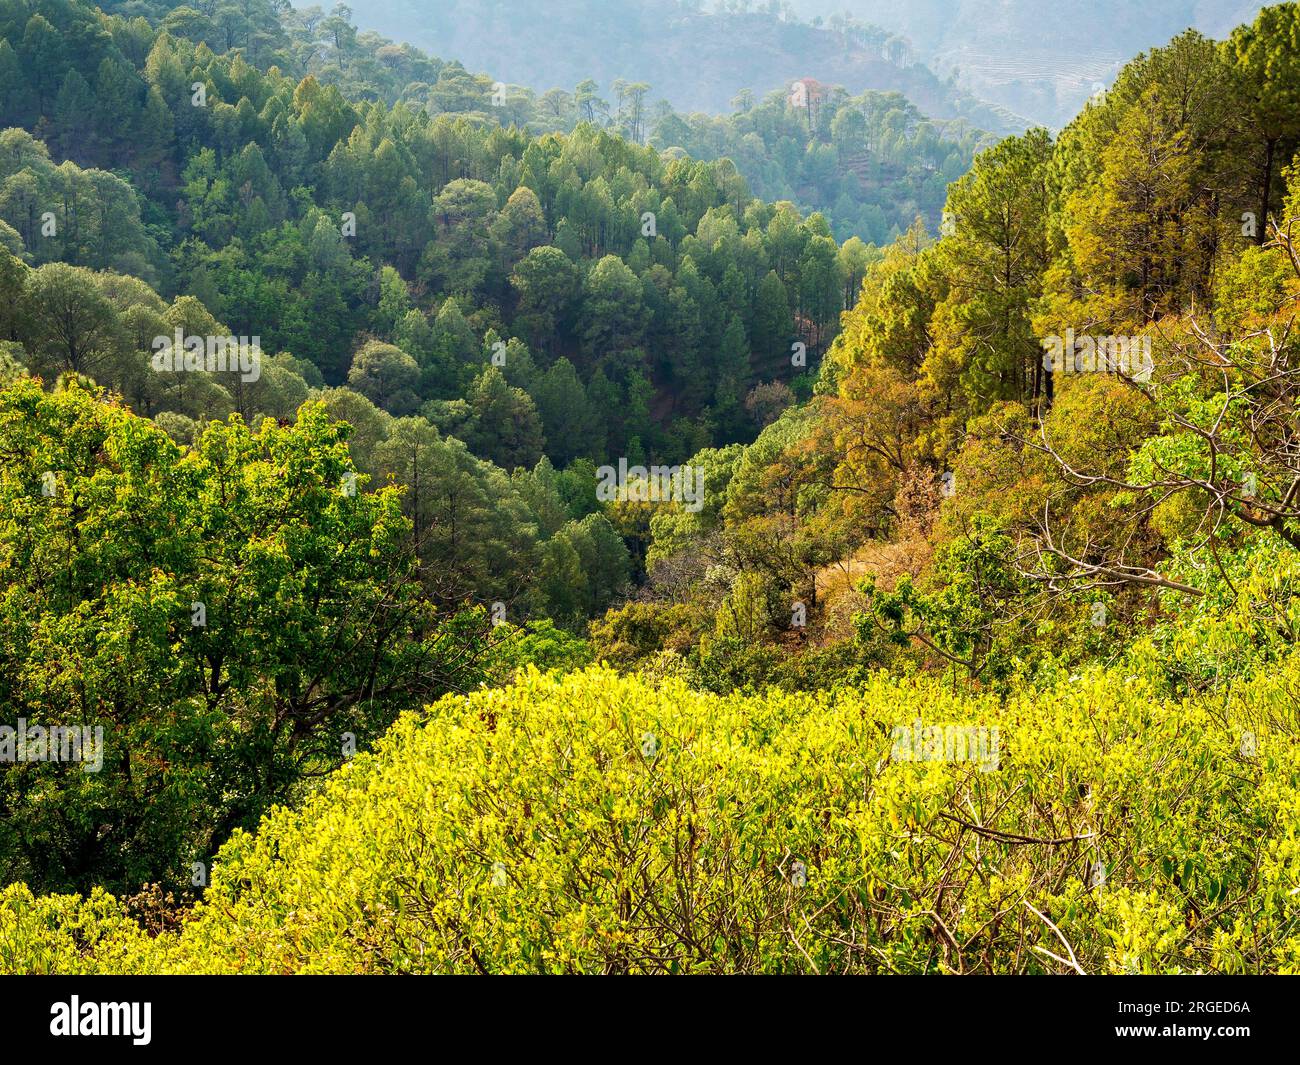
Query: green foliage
[[598, 824], [67, 214], [969, 618], [871, 163], [193, 603], [315, 200], [465, 306]]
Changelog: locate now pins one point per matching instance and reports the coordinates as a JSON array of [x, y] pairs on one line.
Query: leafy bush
[[595, 823], [228, 615]]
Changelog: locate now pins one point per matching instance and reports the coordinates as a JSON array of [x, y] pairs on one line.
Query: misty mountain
[[695, 59], [1038, 58]]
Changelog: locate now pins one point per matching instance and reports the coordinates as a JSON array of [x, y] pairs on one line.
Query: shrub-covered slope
[[600, 823]]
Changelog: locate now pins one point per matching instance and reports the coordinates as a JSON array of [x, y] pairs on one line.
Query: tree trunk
[[1261, 224]]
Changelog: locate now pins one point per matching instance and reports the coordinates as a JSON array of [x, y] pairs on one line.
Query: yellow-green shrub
[[598, 823]]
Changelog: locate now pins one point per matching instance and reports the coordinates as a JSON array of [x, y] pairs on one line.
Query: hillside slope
[[599, 823]]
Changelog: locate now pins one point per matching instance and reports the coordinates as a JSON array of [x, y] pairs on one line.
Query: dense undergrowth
[[594, 823]]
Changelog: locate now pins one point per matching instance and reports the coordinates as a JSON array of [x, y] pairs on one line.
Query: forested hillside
[[509, 540], [952, 496], [870, 161], [871, 164]]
